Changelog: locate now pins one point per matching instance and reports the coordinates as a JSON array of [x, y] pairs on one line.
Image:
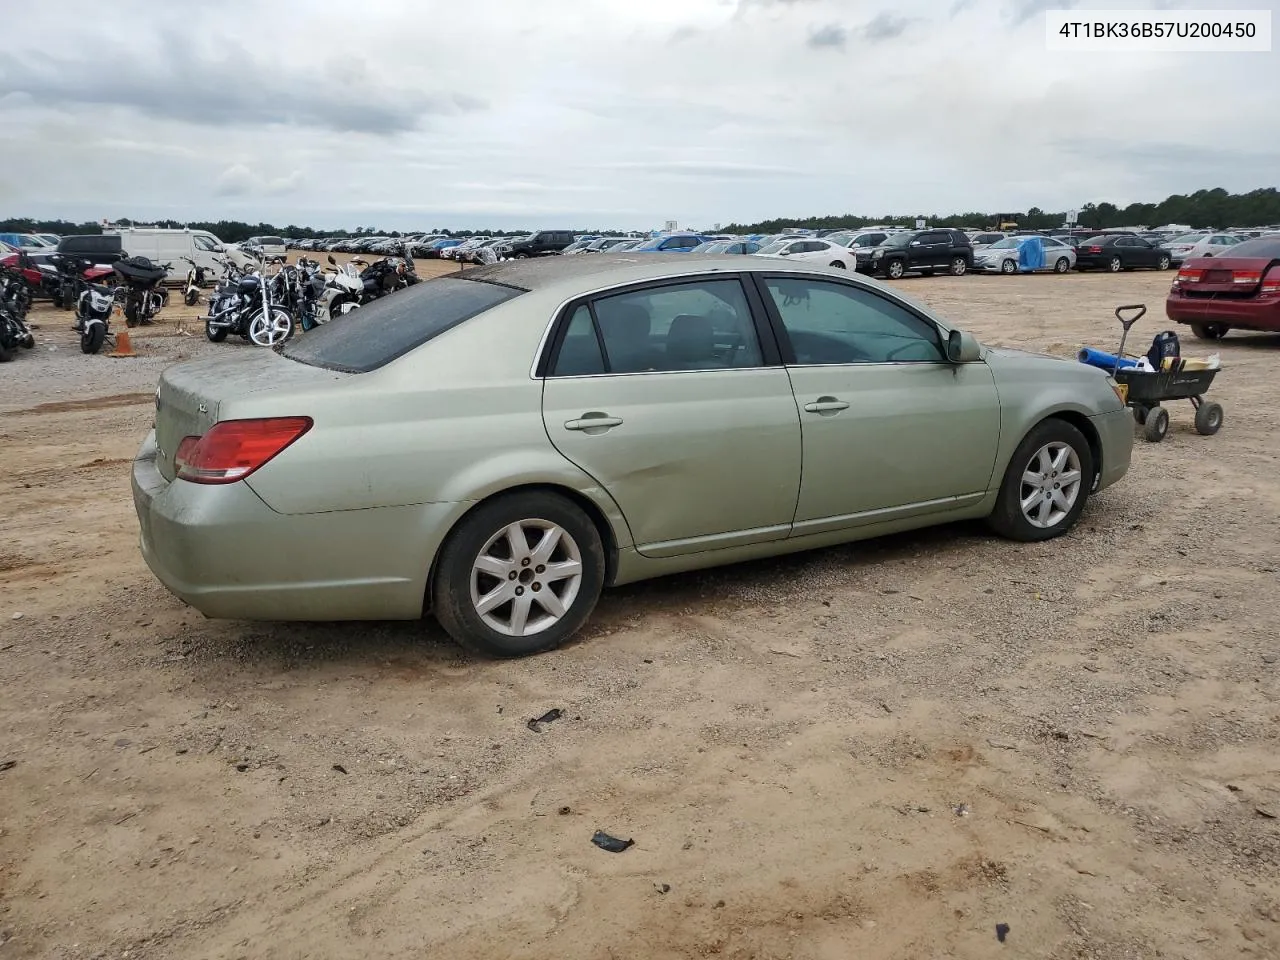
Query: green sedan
[[498, 446]]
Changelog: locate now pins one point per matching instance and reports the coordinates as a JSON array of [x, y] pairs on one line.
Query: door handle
[[826, 405], [589, 422]]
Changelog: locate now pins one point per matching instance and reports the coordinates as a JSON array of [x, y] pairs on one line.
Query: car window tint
[[388, 328], [703, 325], [579, 354], [202, 243], [837, 323]]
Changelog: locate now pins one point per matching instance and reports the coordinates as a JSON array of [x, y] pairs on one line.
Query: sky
[[416, 114]]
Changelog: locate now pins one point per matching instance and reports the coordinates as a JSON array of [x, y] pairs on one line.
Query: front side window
[[701, 325], [829, 322], [203, 243]]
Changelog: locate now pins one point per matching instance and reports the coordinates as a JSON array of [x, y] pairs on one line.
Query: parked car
[[459, 251], [1002, 255], [538, 244], [270, 246], [518, 437], [601, 244], [1237, 289], [811, 248], [670, 243], [473, 254], [920, 251], [727, 247], [436, 248], [26, 241], [1192, 245], [1120, 251], [981, 240], [578, 246]]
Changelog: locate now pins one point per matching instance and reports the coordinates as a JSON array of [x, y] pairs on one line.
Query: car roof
[[591, 273]]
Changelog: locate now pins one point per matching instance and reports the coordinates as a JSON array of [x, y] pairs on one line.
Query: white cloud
[[426, 112]]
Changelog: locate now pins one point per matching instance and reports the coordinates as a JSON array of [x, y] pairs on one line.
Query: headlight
[[1121, 390], [877, 253]]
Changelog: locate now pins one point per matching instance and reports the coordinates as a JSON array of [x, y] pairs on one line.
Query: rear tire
[[460, 585], [959, 266], [214, 334], [1115, 265], [6, 353], [1023, 491], [1163, 263], [836, 264], [1209, 331], [92, 338]]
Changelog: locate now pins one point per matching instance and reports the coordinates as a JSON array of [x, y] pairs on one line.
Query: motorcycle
[[13, 328], [344, 290], [94, 303], [248, 304], [386, 277], [70, 273], [144, 297], [196, 278]]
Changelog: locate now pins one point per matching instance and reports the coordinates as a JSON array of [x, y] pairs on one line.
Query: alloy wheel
[[526, 577], [1050, 485], [266, 330]]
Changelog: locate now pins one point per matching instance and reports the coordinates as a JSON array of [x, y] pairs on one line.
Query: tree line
[[1204, 208]]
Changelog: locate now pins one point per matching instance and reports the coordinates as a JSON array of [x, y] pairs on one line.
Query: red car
[[1239, 289]]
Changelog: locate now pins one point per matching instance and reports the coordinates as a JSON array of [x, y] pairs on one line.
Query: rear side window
[[373, 336], [1268, 247]]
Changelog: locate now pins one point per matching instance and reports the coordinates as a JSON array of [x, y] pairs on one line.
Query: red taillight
[[1245, 277], [1189, 275], [233, 449], [1271, 282], [1094, 249]]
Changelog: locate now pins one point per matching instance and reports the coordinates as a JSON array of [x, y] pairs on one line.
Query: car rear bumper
[[1115, 438], [221, 549], [1258, 313]]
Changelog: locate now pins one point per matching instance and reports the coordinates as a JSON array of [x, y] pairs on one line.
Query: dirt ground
[[877, 751]]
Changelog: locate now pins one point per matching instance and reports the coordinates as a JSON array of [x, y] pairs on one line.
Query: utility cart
[[1146, 391]]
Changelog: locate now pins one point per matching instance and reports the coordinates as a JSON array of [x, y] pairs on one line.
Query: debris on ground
[[549, 717], [1002, 931], [611, 844]]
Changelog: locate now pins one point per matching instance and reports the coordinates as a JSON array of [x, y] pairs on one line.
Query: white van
[[169, 246], [270, 246]]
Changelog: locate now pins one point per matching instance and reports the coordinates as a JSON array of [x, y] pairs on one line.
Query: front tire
[[1208, 418], [1209, 331], [1046, 484], [894, 269], [92, 338], [519, 575], [1008, 267], [1062, 265], [191, 298], [270, 329], [837, 265], [959, 266]]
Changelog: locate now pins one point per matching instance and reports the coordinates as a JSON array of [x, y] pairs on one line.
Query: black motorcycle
[[13, 309], [143, 294], [250, 305]]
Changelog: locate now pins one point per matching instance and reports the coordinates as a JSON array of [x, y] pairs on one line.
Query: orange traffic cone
[[123, 347]]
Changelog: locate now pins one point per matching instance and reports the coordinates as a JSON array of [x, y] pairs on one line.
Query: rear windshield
[[1268, 246], [373, 336]]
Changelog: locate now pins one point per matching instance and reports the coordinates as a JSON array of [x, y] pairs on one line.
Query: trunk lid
[[190, 395], [1216, 276]]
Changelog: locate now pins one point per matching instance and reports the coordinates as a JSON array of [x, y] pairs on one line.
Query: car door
[[936, 249], [889, 427], [670, 398]]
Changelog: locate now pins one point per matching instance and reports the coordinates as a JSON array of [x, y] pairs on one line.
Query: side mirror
[[962, 347], [333, 261], [784, 253], [219, 248], [915, 243]]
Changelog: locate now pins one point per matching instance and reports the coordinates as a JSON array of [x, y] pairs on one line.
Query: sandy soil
[[880, 751]]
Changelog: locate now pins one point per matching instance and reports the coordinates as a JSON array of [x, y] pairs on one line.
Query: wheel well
[[1085, 426], [573, 496]]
